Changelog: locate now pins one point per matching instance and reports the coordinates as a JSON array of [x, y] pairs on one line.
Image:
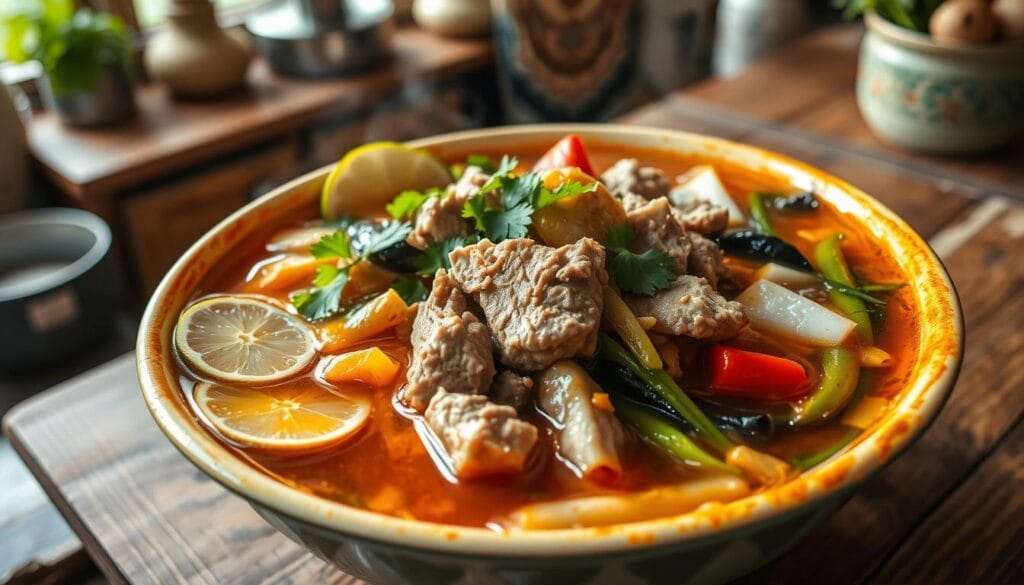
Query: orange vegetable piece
[[365, 278], [586, 215], [290, 272], [601, 401], [379, 315], [369, 366]]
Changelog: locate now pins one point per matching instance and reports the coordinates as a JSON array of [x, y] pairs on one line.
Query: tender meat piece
[[706, 260], [691, 307], [480, 437], [451, 348], [656, 226], [702, 216], [627, 176], [511, 389], [586, 436], [440, 218], [542, 304]]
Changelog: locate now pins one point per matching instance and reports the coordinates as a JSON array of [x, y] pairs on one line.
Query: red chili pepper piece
[[737, 372], [567, 152]]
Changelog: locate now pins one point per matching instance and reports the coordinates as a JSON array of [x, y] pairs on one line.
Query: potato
[[963, 21], [589, 215], [1010, 14]]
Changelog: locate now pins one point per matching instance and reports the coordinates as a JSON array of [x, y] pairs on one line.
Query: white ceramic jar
[[750, 29], [914, 92]]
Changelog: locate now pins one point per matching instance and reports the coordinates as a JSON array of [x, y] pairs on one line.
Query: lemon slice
[[292, 417], [369, 177], [243, 339]]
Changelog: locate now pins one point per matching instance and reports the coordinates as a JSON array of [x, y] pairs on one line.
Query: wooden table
[[948, 510]]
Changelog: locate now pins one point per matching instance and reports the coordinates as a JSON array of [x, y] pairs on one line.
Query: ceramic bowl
[[711, 545], [939, 98]]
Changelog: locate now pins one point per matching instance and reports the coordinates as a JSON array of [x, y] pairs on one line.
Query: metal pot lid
[[304, 19]]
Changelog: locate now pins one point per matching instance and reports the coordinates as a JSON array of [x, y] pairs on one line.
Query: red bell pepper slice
[[737, 372], [567, 152]]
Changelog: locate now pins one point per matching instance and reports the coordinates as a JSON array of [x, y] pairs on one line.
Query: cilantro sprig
[[643, 274], [435, 256], [510, 214], [323, 299], [405, 205]]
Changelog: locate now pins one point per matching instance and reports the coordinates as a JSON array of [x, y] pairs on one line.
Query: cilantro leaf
[[545, 197], [476, 208], [505, 168], [512, 222], [619, 237], [482, 161], [322, 301], [405, 205], [410, 289], [435, 257], [391, 234], [325, 275], [641, 274], [333, 245]]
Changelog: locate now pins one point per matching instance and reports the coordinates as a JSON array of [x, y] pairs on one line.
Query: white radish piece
[[616, 509], [773, 308], [702, 182], [788, 277]]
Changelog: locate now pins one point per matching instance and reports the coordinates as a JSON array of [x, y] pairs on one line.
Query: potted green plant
[[942, 75], [84, 55]]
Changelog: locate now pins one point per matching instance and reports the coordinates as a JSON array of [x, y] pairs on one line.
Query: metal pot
[[110, 101], [59, 286]]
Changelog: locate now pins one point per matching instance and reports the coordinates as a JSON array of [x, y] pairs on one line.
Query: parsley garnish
[[324, 298], [435, 257], [410, 289], [640, 274], [520, 197], [482, 161]]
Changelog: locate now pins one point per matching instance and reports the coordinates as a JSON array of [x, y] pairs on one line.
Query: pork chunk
[[691, 307], [702, 216], [627, 176], [511, 389], [655, 225], [706, 260], [440, 218], [481, 437], [451, 348], [542, 304]]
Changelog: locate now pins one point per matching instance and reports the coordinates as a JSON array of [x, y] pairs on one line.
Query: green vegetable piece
[[656, 430], [668, 390], [435, 257], [832, 264], [805, 463], [333, 245], [408, 202], [325, 299], [759, 212], [841, 371]]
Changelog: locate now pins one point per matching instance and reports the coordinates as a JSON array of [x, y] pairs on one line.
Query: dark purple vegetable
[[400, 258], [764, 248], [801, 202]]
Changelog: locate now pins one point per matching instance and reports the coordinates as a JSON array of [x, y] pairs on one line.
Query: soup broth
[[394, 465]]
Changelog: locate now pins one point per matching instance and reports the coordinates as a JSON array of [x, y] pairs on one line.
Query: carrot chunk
[[370, 366], [382, 313]]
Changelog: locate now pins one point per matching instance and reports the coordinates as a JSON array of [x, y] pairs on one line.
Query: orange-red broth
[[387, 468]]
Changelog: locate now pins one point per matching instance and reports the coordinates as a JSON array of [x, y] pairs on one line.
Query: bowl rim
[[58, 216], [931, 383]]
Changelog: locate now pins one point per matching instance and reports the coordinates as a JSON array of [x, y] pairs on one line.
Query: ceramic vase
[[193, 56], [110, 102], [947, 99]]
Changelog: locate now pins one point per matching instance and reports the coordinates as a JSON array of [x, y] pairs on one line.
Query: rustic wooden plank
[[961, 541], [144, 513], [983, 258], [168, 135]]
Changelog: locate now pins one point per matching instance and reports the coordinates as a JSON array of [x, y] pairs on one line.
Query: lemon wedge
[[293, 417], [243, 339], [368, 177]]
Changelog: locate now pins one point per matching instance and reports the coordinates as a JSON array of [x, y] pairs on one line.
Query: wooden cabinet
[[163, 222]]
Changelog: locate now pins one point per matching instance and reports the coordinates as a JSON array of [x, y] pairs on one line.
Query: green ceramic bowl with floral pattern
[[939, 98]]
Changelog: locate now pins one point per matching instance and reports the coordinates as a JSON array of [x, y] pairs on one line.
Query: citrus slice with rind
[[368, 177], [244, 340], [290, 417]]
